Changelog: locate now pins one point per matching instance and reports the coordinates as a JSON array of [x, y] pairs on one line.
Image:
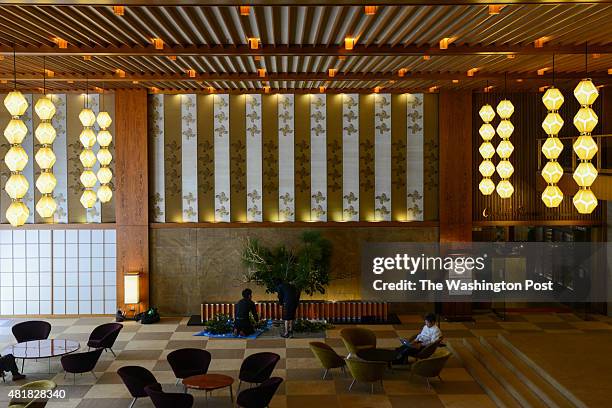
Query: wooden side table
[[209, 383]]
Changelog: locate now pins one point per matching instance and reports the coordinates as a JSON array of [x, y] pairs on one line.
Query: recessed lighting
[[86, 57], [433, 88], [135, 82], [596, 56], [511, 56], [455, 81]]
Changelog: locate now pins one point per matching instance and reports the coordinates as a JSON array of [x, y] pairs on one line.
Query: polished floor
[[303, 387]]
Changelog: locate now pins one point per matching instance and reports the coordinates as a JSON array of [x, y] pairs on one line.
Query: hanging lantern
[[585, 147], [552, 147], [45, 157], [487, 150], [16, 159], [504, 150], [87, 156], [105, 175]]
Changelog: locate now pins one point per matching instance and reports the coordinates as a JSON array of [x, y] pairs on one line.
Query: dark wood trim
[[187, 3], [61, 226], [297, 224], [285, 76], [540, 223], [302, 50]]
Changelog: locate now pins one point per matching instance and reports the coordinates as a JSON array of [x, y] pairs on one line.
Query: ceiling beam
[[59, 77], [294, 3], [298, 50]]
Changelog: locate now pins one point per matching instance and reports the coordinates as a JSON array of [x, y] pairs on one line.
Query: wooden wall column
[[131, 190], [455, 141]]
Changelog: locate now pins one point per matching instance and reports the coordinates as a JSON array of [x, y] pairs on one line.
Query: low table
[[209, 383], [36, 349], [376, 354]]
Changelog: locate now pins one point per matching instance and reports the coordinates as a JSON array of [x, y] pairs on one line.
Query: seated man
[[244, 309], [7, 363], [429, 334]]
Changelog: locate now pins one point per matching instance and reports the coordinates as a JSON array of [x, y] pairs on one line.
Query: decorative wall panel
[[28, 146], [318, 158], [414, 154], [189, 162], [382, 157], [157, 201], [222, 158], [286, 130], [254, 173], [94, 214], [290, 157], [58, 272], [350, 157], [60, 169]]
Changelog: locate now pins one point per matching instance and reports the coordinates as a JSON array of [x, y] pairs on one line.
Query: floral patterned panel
[[254, 158], [157, 201], [382, 157], [350, 157], [222, 158], [414, 157], [189, 157], [318, 158], [286, 175]]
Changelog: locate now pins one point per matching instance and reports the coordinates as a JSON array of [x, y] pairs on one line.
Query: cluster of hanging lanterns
[[45, 157], [16, 158], [104, 156], [487, 150], [585, 146], [504, 168], [88, 157], [552, 147]]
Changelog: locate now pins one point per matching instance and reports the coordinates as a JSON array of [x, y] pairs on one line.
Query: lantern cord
[[553, 73], [586, 58], [44, 76], [14, 68]]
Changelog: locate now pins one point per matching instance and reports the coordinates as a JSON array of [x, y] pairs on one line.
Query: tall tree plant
[[306, 267]]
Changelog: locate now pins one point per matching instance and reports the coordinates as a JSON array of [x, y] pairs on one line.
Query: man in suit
[[7, 363]]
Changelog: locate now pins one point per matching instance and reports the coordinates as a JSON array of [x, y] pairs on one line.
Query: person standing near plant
[[244, 309], [289, 298]]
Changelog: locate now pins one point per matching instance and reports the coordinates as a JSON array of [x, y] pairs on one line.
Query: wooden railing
[[334, 312]]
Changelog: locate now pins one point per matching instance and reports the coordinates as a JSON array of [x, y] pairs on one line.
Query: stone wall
[[191, 265]]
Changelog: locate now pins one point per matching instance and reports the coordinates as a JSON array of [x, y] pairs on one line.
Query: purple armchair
[[104, 336]]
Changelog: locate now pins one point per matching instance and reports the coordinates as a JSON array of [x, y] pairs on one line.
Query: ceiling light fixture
[[585, 146], [402, 72], [552, 147], [245, 10], [495, 9], [61, 43], [191, 73], [349, 43], [486, 150], [261, 72], [370, 10], [16, 158], [426, 57], [539, 43], [332, 72], [119, 10], [471, 72], [104, 156], [253, 43], [88, 158], [504, 168], [158, 43]]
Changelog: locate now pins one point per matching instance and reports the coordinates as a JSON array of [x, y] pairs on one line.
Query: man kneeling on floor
[[429, 334], [7, 363], [244, 309]]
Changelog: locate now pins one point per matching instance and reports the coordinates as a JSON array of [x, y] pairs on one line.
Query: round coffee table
[[209, 383], [36, 349]]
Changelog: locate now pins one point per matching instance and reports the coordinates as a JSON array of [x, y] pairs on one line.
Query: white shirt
[[429, 335]]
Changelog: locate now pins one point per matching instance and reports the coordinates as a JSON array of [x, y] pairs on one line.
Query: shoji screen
[[57, 272]]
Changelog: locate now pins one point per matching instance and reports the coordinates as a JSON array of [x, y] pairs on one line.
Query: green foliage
[[311, 326], [307, 268], [220, 324]]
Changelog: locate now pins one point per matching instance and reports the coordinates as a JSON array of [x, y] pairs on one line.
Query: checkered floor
[[148, 346]]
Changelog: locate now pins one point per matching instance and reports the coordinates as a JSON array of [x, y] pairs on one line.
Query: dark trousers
[[244, 327], [403, 352], [7, 363]]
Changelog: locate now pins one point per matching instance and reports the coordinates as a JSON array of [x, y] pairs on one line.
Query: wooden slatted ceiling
[[287, 31]]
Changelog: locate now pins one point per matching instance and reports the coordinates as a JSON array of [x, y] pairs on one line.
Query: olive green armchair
[[366, 371], [356, 339], [327, 357], [46, 385], [432, 366]]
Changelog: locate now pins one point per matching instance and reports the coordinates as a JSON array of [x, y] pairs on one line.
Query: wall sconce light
[[131, 288]]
